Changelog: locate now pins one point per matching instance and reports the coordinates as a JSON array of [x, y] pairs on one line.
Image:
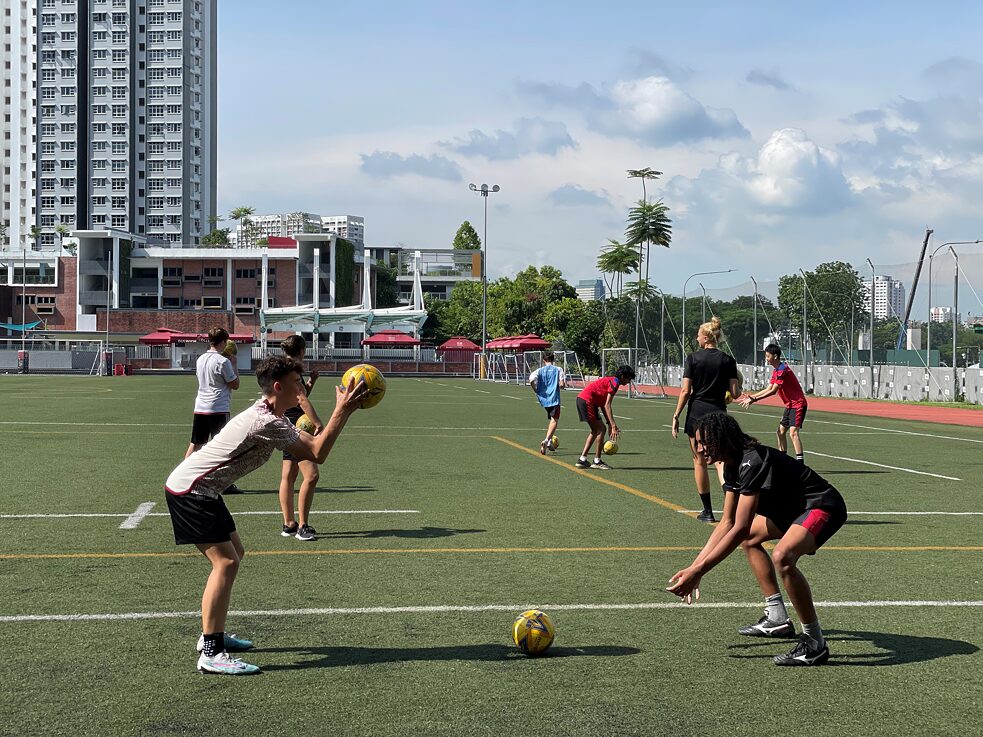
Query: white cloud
[[768, 78], [573, 195], [529, 136], [653, 111], [386, 164]]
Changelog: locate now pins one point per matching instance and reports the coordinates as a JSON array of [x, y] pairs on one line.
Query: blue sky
[[788, 136]]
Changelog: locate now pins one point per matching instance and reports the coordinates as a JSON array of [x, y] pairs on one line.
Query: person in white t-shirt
[[217, 379], [194, 492]]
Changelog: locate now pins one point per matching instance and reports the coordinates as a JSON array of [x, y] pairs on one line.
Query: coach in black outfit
[[708, 374]]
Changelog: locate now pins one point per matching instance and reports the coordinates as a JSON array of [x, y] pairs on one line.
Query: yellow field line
[[595, 477], [438, 551]]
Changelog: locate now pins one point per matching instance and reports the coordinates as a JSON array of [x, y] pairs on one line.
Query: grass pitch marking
[[488, 551], [148, 513], [473, 608], [594, 477], [134, 520], [882, 465]]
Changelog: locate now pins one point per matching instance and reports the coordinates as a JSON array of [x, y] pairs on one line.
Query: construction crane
[[903, 330]]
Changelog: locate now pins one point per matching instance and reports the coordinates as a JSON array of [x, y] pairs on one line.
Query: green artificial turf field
[[438, 522]]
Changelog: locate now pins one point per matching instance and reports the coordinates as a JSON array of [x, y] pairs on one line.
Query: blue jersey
[[547, 378]]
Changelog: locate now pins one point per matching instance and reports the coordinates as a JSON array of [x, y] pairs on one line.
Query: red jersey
[[596, 393], [789, 389]]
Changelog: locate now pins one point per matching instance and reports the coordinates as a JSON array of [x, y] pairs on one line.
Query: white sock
[[814, 631], [775, 608]]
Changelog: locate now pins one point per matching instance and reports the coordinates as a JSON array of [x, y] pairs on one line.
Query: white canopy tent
[[360, 318]]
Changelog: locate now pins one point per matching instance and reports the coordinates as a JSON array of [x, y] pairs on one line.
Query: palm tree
[[62, 230], [36, 237], [648, 223], [241, 215], [643, 174], [641, 290], [617, 259]]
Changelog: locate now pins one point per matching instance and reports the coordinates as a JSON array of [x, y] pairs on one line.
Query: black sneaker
[[232, 489], [289, 530], [600, 465], [706, 516], [582, 463], [805, 653], [306, 533], [764, 627]]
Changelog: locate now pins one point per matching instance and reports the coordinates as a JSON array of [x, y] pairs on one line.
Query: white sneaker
[[224, 664], [232, 644]]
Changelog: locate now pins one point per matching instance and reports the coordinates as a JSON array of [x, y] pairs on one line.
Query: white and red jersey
[[242, 446], [214, 371]]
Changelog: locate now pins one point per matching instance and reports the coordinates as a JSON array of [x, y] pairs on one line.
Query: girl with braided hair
[[768, 496]]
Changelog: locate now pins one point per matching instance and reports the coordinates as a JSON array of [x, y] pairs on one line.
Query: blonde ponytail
[[712, 330]]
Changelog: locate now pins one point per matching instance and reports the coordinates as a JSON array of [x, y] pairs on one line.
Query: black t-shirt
[[710, 371], [785, 487], [294, 413]]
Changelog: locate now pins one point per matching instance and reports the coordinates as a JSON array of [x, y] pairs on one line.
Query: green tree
[[242, 216], [3, 232], [217, 238], [386, 287], [615, 261], [648, 223], [467, 238], [644, 174], [36, 237], [835, 294]]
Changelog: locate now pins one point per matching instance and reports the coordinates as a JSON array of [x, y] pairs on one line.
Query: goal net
[[648, 383], [57, 356]]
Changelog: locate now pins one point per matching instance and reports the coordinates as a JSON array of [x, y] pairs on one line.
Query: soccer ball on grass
[[533, 632], [554, 442], [610, 447]]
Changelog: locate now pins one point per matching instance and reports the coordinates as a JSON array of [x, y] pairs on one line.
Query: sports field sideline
[[438, 521]]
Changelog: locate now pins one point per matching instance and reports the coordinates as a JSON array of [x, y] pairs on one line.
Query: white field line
[[620, 417], [349, 611], [851, 513], [882, 465], [167, 514], [509, 396], [482, 391], [134, 520]]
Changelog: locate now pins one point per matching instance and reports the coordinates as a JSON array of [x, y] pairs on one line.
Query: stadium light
[[682, 353], [928, 325], [484, 191], [870, 345]]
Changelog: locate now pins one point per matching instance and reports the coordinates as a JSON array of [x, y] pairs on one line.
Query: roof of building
[[391, 337], [168, 336]]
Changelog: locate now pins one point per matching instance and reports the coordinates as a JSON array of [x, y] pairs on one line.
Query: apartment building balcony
[[144, 286], [94, 267]]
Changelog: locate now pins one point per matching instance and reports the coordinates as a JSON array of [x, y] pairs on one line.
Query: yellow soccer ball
[[554, 442], [610, 447], [230, 350], [533, 632], [306, 424], [374, 381]]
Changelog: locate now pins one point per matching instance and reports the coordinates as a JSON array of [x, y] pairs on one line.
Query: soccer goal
[[648, 383], [55, 356]]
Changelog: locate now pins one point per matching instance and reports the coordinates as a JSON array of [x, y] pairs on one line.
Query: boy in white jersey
[[217, 379], [198, 512]]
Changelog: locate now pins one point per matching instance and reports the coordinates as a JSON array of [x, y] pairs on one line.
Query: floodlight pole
[[754, 353], [484, 190], [682, 354], [928, 325], [703, 313], [870, 345], [23, 303], [955, 323]]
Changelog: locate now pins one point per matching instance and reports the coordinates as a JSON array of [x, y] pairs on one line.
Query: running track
[[912, 411]]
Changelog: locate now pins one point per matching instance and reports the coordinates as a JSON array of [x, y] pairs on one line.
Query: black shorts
[[823, 523], [695, 412], [206, 427], [199, 520], [587, 412], [552, 412], [794, 416]]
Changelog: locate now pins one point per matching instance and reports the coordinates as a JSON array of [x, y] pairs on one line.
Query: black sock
[[707, 505], [214, 644]]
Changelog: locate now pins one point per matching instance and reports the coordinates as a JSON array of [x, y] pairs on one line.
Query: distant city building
[[267, 226], [941, 314], [349, 227], [589, 290], [127, 97], [889, 297], [18, 39]]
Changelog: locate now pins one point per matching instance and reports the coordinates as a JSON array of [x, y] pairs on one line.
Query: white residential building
[[349, 227], [266, 226], [941, 314], [889, 297], [127, 107], [18, 50]]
